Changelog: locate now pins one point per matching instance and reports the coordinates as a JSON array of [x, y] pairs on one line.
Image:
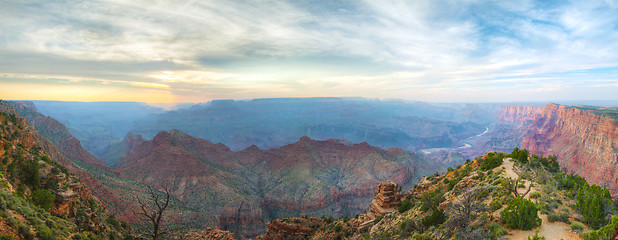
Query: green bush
[[44, 233], [437, 217], [30, 173], [405, 205], [520, 214], [432, 199], [43, 199], [536, 236], [496, 231], [495, 204], [491, 162], [25, 232], [6, 237], [604, 233], [577, 227], [562, 217], [535, 195], [593, 202]]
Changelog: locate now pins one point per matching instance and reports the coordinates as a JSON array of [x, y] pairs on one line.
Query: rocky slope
[[585, 143], [56, 138], [96, 124], [37, 181], [240, 191]]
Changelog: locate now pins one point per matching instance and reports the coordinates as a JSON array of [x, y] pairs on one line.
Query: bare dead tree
[[512, 186], [463, 212], [154, 211]]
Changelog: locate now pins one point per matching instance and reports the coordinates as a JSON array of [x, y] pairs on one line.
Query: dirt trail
[[551, 230]]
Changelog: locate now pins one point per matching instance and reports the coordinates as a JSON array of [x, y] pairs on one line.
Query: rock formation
[[210, 234], [386, 200], [292, 228]]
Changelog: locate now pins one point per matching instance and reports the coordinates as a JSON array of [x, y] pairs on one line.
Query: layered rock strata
[[584, 142], [386, 200]]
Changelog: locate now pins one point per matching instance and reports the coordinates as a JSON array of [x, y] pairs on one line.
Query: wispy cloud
[[424, 50]]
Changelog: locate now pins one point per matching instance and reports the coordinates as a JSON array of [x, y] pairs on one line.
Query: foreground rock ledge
[[210, 233]]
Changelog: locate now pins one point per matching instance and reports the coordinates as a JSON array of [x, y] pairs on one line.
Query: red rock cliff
[[587, 144]]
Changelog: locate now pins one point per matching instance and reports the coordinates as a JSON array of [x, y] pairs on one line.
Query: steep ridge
[[585, 143], [96, 124], [60, 144], [33, 173], [241, 191], [56, 132]]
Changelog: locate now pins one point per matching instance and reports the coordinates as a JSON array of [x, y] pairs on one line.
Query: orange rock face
[[587, 144]]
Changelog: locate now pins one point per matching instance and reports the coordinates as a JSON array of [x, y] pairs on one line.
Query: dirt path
[[551, 230], [508, 168]]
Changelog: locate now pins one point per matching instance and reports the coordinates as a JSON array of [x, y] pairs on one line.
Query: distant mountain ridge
[[272, 123], [307, 177]]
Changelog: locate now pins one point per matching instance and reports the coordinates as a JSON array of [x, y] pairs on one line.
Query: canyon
[[245, 189], [241, 189]]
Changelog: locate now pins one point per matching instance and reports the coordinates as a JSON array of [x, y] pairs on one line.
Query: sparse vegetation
[[405, 205], [576, 227]]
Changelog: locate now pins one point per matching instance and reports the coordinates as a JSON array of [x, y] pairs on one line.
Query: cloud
[[386, 48]]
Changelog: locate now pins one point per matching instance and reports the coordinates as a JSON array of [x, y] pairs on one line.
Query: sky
[[196, 51]]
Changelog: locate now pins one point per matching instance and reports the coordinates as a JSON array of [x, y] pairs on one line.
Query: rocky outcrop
[[386, 199], [66, 196], [210, 234], [57, 175], [292, 228], [584, 142]]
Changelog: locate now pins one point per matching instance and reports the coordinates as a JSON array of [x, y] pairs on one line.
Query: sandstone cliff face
[[585, 143]]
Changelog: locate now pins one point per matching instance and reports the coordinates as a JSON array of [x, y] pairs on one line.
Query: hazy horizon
[[432, 51]]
